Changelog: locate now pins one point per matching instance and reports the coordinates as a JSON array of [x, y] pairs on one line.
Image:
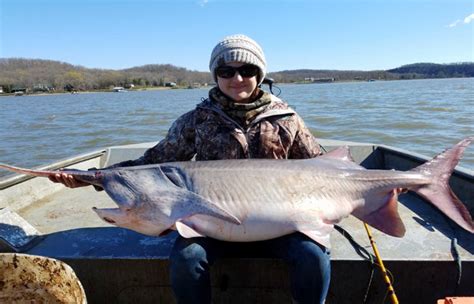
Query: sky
[[294, 34]]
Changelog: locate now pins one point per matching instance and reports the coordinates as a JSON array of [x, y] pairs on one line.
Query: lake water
[[424, 116]]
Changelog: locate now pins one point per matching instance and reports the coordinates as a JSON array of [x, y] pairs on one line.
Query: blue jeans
[[309, 265]]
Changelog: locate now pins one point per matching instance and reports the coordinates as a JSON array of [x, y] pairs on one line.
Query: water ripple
[[423, 116]]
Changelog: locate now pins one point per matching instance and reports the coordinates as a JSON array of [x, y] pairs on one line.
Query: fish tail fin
[[438, 192]]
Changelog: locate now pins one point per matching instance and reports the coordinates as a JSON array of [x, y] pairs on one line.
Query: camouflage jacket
[[208, 133]]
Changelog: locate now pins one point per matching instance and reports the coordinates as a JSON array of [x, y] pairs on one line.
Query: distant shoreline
[[88, 92], [203, 87], [37, 75]]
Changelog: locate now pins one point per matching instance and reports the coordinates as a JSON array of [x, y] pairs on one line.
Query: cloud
[[202, 3], [467, 20], [454, 23]]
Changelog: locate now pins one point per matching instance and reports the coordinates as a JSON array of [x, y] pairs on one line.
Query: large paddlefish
[[259, 199]]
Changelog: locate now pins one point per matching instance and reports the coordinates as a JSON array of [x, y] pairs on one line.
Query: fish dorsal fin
[[386, 218], [341, 153], [339, 158], [187, 230]]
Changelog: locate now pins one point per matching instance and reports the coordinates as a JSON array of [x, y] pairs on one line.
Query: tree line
[[49, 75], [38, 74], [433, 70]]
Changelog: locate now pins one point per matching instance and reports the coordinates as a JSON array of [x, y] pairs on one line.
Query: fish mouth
[[106, 214], [110, 221]]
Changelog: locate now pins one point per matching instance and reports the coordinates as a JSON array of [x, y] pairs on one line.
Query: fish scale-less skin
[[309, 199], [291, 179]]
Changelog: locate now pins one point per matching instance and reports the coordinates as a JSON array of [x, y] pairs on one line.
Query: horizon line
[[192, 70]]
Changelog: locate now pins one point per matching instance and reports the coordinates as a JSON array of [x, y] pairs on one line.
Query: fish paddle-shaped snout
[[92, 177]]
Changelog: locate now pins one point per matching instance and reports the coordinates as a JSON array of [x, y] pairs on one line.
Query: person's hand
[[67, 180]]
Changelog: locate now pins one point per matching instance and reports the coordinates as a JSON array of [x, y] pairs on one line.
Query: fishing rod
[[386, 278]]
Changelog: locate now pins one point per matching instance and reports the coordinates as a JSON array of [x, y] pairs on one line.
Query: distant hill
[[433, 70], [410, 71], [44, 75], [158, 74], [39, 73], [307, 75]]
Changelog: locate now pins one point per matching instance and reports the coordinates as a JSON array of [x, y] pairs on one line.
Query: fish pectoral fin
[[318, 237], [187, 230], [386, 218], [196, 204]]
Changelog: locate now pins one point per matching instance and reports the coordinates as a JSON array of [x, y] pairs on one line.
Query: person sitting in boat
[[238, 120]]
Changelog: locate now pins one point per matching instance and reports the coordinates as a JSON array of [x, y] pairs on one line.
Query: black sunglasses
[[247, 71]]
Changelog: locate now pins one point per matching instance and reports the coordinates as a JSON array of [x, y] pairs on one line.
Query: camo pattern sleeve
[[304, 144], [178, 145]]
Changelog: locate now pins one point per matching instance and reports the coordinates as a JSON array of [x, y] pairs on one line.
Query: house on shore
[[19, 90], [118, 89], [42, 88], [319, 80]]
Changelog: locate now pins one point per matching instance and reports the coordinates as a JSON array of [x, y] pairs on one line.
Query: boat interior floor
[[72, 230]]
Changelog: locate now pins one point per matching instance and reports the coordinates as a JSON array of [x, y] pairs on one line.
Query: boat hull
[[119, 265]]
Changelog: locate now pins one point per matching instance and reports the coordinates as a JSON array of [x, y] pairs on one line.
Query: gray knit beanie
[[238, 48]]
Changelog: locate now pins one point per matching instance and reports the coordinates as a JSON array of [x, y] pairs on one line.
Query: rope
[[363, 253]]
